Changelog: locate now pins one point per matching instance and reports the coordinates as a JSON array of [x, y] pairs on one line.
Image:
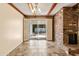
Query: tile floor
[[37, 48]]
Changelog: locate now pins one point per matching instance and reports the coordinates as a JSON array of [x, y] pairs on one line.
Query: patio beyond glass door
[[38, 29]]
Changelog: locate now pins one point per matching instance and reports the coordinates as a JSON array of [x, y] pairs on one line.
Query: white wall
[[11, 29]]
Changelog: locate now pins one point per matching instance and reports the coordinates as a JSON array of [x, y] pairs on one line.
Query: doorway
[[38, 29]]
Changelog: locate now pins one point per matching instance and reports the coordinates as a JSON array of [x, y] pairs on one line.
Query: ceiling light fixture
[[32, 9]]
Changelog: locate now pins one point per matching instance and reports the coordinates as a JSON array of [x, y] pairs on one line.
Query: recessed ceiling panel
[[41, 8]]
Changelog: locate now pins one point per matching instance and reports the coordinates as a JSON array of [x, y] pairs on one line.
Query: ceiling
[[41, 8]]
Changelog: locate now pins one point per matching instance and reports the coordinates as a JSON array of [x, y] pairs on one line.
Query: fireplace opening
[[72, 39]]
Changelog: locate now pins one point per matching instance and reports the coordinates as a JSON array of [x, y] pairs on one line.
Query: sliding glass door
[[38, 29]]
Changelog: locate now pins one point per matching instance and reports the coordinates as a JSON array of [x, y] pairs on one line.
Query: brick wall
[[58, 20]]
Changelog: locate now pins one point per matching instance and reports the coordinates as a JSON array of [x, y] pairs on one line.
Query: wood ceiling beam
[[52, 7]]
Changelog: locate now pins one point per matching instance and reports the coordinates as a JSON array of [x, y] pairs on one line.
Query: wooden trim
[[39, 16], [53, 33], [26, 40], [54, 27], [23, 29], [16, 8], [49, 40]]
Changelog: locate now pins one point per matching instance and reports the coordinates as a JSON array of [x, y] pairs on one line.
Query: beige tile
[[37, 48]]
